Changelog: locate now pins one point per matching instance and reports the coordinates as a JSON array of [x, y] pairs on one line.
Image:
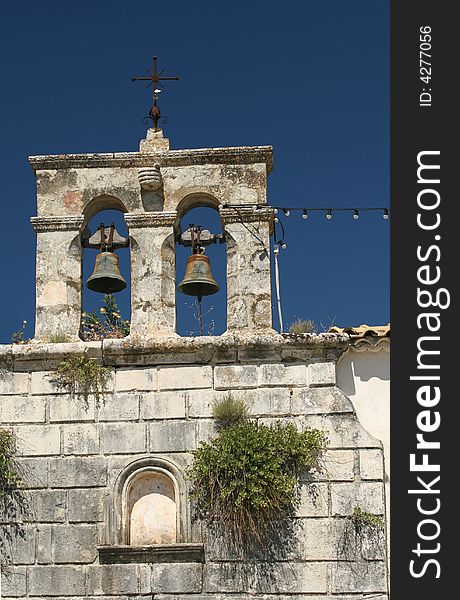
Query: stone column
[[247, 232], [59, 275], [153, 273]]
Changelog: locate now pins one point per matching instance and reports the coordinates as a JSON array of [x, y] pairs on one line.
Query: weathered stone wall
[[160, 405]]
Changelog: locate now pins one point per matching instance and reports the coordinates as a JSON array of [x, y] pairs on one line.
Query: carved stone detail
[[151, 219], [246, 215], [60, 223], [150, 178]]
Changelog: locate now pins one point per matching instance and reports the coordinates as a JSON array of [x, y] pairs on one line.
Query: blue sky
[[310, 78]]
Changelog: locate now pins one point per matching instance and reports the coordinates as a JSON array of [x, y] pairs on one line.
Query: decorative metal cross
[[155, 79]]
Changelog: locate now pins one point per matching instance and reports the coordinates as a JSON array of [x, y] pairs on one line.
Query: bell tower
[[154, 188]]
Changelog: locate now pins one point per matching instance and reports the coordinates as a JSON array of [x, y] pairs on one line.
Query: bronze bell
[[106, 277], [198, 279]]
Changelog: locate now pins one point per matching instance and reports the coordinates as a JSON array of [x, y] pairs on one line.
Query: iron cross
[[155, 79]]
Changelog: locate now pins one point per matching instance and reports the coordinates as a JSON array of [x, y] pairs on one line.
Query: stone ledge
[[175, 350], [159, 553], [236, 155]]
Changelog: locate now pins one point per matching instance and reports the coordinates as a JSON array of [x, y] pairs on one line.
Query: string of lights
[[286, 212]]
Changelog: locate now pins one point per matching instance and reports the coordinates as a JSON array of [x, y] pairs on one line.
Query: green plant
[[58, 338], [229, 411], [17, 337], [108, 324], [245, 480], [82, 375], [13, 503], [303, 326]]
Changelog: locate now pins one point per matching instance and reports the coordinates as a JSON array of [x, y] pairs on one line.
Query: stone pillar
[[59, 275], [247, 232], [153, 273]]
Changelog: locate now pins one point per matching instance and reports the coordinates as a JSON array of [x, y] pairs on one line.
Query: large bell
[[106, 277], [198, 279]]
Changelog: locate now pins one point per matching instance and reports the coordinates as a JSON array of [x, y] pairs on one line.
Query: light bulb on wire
[[356, 214], [329, 214], [286, 212], [385, 213], [305, 214]]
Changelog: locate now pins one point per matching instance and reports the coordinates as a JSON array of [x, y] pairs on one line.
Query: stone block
[[112, 579], [74, 543], [266, 401], [120, 407], [338, 465], [343, 431], [368, 577], [23, 548], [20, 409], [86, 505], [142, 379], [318, 539], [35, 472], [228, 377], [14, 383], [314, 500], [320, 401], [123, 438], [199, 403], [64, 409], [366, 495], [38, 440], [44, 544], [289, 578], [174, 578], [173, 436], [88, 471], [280, 374], [206, 430], [371, 464], [321, 374], [42, 383], [47, 506], [163, 405], [56, 580], [81, 439], [184, 378], [14, 584]]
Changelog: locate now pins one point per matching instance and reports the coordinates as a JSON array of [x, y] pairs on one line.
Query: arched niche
[[151, 508], [105, 209], [148, 505], [201, 209]]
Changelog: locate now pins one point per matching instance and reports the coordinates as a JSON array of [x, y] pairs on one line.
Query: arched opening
[[152, 509], [212, 318], [105, 312]]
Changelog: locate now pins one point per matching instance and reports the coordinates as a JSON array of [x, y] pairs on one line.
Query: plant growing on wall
[[245, 481], [363, 535], [84, 376], [107, 324], [13, 503]]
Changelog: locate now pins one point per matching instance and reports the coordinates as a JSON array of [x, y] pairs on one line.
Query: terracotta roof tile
[[362, 331]]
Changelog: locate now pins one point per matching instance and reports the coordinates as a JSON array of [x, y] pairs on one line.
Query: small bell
[[106, 277], [198, 279]]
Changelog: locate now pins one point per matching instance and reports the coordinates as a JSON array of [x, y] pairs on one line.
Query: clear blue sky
[[310, 78]]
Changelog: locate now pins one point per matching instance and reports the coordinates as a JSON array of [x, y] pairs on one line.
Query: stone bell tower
[[154, 188], [109, 481]]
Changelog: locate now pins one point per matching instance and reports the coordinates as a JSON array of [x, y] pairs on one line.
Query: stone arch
[[196, 200], [102, 202], [135, 489]]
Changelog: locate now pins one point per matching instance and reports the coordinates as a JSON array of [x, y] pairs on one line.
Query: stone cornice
[[246, 215], [371, 344], [58, 223], [162, 350], [239, 155], [150, 219]]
